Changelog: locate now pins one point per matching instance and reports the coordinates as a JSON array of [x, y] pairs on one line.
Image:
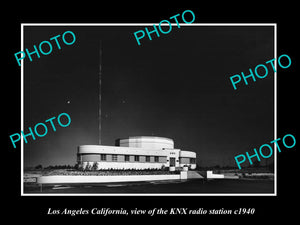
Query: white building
[[137, 153]]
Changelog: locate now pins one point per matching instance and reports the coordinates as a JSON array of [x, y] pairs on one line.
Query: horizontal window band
[[99, 154]]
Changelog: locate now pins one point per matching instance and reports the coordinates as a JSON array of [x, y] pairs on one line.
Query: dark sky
[[175, 86]]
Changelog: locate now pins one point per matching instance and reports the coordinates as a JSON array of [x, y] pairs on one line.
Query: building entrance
[[172, 161]]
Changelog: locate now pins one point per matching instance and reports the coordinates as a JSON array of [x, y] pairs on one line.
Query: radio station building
[[138, 153]]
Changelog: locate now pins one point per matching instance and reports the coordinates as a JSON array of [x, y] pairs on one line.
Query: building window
[[126, 158], [136, 158], [156, 158], [147, 158], [114, 158], [103, 157]]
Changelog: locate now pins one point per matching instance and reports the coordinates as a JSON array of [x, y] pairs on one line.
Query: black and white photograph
[[161, 117]]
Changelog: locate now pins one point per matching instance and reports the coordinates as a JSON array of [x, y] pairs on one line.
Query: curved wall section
[[187, 154], [148, 142]]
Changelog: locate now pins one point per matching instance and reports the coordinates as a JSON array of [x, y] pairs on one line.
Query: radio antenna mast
[[100, 90]]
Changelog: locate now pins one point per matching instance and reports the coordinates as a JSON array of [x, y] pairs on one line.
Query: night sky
[[175, 86]]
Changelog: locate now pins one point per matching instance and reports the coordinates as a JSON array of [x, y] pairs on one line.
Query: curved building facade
[[136, 153]]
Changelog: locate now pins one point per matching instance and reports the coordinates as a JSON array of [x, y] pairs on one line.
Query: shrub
[[95, 166]]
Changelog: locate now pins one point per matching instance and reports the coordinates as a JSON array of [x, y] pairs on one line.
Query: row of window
[[127, 158], [130, 158], [137, 158], [192, 160], [115, 158]]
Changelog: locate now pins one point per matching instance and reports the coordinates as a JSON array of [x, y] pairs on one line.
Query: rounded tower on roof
[[148, 142]]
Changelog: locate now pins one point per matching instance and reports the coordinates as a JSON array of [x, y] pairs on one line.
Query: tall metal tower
[[100, 90]]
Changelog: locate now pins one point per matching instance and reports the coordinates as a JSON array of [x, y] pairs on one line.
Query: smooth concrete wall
[[104, 179], [183, 175], [210, 175], [187, 154]]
